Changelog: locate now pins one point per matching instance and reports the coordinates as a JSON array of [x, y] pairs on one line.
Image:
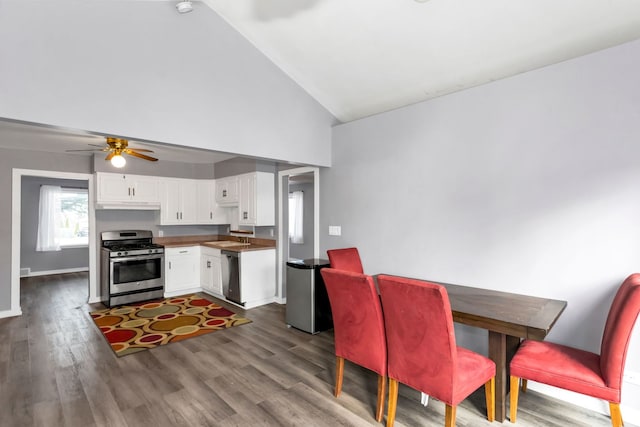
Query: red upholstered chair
[[358, 326], [422, 350], [345, 259], [581, 371]]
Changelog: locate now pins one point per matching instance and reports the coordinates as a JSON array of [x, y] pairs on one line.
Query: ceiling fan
[[116, 147]]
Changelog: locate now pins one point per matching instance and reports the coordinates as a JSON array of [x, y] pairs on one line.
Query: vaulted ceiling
[[362, 57]]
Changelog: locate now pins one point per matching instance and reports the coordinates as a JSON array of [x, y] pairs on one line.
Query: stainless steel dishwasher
[[231, 276]]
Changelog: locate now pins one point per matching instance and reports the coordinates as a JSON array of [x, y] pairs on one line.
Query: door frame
[[16, 202], [280, 282]]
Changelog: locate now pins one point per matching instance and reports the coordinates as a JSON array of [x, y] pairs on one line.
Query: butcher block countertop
[[227, 243]]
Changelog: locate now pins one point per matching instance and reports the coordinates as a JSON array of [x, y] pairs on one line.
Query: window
[[74, 228], [64, 220], [296, 217]]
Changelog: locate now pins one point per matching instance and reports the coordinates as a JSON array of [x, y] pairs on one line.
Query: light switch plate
[[335, 230]]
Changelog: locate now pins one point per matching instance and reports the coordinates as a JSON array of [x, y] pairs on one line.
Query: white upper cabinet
[[257, 199], [135, 191], [208, 211], [177, 201], [227, 191]]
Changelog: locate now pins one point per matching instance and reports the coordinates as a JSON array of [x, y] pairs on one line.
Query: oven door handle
[[136, 258]]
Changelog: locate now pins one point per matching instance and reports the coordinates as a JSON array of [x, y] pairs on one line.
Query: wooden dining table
[[508, 317]]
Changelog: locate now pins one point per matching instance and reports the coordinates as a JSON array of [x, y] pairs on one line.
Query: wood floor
[[56, 369]]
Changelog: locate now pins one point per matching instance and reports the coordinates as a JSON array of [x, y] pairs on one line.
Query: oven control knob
[[151, 251], [119, 253]]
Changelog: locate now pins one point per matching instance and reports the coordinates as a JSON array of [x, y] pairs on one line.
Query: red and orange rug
[[137, 327]]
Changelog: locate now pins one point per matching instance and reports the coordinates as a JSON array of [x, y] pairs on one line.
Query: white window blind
[[63, 218], [296, 213], [50, 213]]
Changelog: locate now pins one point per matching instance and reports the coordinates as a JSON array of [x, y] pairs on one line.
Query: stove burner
[[129, 243]]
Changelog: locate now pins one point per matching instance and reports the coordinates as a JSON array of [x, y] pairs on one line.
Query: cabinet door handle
[[224, 193], [177, 215], [210, 215], [129, 189], [245, 215], [133, 190], [184, 252], [180, 215], [169, 265], [208, 264]]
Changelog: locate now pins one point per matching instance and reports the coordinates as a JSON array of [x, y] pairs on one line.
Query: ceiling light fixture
[[118, 161], [184, 6]]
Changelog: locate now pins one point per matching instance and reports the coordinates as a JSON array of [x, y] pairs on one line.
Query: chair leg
[[393, 402], [490, 397], [450, 416], [515, 385], [382, 385], [524, 385], [616, 415], [339, 373]]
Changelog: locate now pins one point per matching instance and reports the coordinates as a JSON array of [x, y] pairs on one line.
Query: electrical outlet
[[160, 233], [335, 230]]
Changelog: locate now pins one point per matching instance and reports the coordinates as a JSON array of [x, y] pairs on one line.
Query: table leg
[[501, 349]]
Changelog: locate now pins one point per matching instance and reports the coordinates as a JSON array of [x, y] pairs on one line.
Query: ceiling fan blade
[[140, 149], [90, 149], [110, 156], [142, 156]]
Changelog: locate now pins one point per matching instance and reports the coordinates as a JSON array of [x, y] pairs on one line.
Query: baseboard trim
[[181, 292], [630, 415], [62, 271], [10, 313]]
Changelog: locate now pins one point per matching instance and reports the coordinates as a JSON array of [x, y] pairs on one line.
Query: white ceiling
[[362, 57]]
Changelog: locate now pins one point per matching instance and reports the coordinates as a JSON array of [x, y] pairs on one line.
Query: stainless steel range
[[132, 267]]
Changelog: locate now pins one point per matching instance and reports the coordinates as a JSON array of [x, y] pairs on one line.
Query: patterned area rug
[[137, 327]]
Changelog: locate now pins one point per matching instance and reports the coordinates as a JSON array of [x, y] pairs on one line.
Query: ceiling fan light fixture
[[118, 161], [184, 6]]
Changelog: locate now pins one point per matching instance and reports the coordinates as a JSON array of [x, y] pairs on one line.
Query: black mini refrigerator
[[308, 306]]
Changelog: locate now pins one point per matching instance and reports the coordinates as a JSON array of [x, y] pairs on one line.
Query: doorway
[[16, 200], [300, 216], [306, 180]]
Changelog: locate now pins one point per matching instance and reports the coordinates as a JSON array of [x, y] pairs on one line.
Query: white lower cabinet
[[182, 270], [190, 269], [258, 277], [210, 275]]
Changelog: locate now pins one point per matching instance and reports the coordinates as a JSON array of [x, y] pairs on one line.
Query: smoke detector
[[184, 6]]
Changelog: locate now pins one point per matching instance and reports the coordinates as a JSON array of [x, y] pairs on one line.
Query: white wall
[[142, 71], [529, 184]]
